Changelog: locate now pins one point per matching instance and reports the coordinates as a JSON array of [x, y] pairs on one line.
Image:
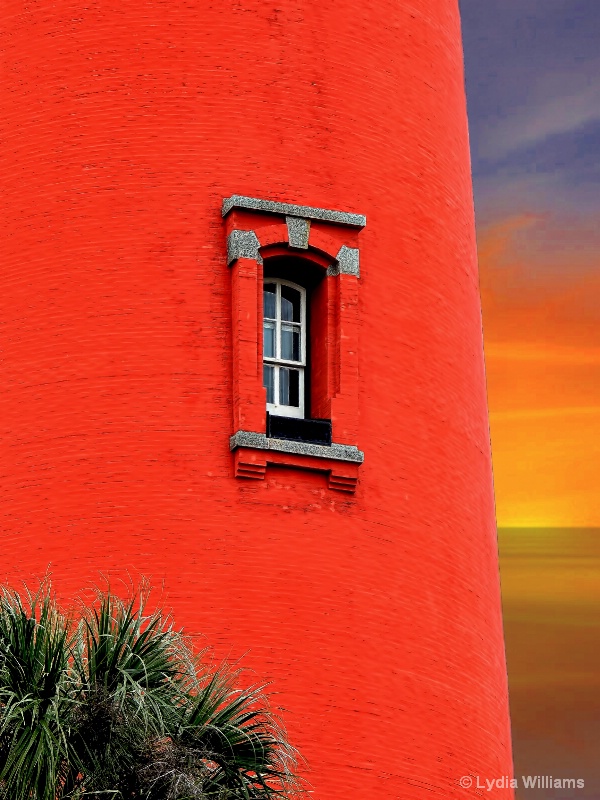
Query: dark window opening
[[290, 358], [315, 431]]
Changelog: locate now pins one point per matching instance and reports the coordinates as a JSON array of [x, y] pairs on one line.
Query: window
[[295, 399], [284, 347]]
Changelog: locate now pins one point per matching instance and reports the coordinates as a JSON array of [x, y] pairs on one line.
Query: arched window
[[305, 262], [284, 347]]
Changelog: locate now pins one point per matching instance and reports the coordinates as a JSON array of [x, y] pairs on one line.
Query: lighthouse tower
[[242, 355]]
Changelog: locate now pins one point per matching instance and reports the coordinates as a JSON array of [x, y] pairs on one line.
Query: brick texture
[[123, 126]]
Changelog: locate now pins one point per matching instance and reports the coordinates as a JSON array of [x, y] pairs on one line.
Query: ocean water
[[551, 601]]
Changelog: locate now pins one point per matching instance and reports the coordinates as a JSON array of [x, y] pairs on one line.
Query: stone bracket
[[242, 244], [347, 262]]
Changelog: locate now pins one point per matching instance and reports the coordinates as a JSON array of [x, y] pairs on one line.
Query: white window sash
[[277, 408]]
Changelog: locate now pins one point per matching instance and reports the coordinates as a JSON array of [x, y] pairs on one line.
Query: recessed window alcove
[[295, 275]]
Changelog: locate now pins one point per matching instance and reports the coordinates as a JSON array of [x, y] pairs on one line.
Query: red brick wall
[[123, 126]]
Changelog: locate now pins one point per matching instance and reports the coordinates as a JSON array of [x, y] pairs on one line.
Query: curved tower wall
[[376, 614]]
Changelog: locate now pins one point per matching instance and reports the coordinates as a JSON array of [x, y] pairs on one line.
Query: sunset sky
[[533, 88], [533, 83]]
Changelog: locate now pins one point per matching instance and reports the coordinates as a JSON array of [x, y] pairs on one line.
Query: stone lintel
[[292, 210]]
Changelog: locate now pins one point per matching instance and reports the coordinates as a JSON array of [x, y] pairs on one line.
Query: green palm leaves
[[117, 706], [35, 696]]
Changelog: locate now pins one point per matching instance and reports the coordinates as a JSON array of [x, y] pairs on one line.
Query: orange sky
[[541, 293], [533, 88]]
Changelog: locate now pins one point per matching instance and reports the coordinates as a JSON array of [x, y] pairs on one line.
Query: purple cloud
[[533, 89]]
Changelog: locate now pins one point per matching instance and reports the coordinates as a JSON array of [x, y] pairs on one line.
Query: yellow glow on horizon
[[542, 347], [546, 466]]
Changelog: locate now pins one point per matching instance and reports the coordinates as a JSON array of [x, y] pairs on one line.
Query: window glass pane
[[269, 340], [294, 388], [269, 382], [290, 343], [289, 387], [290, 304], [269, 297]]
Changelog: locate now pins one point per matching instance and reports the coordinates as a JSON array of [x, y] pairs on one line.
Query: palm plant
[[36, 697], [116, 705]]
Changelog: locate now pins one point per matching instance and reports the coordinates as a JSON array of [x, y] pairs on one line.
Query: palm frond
[[36, 694], [119, 706], [242, 745]]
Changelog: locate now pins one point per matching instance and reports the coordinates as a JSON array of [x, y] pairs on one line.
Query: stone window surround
[[279, 228]]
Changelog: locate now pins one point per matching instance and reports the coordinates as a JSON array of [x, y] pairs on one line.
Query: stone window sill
[[253, 451]]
